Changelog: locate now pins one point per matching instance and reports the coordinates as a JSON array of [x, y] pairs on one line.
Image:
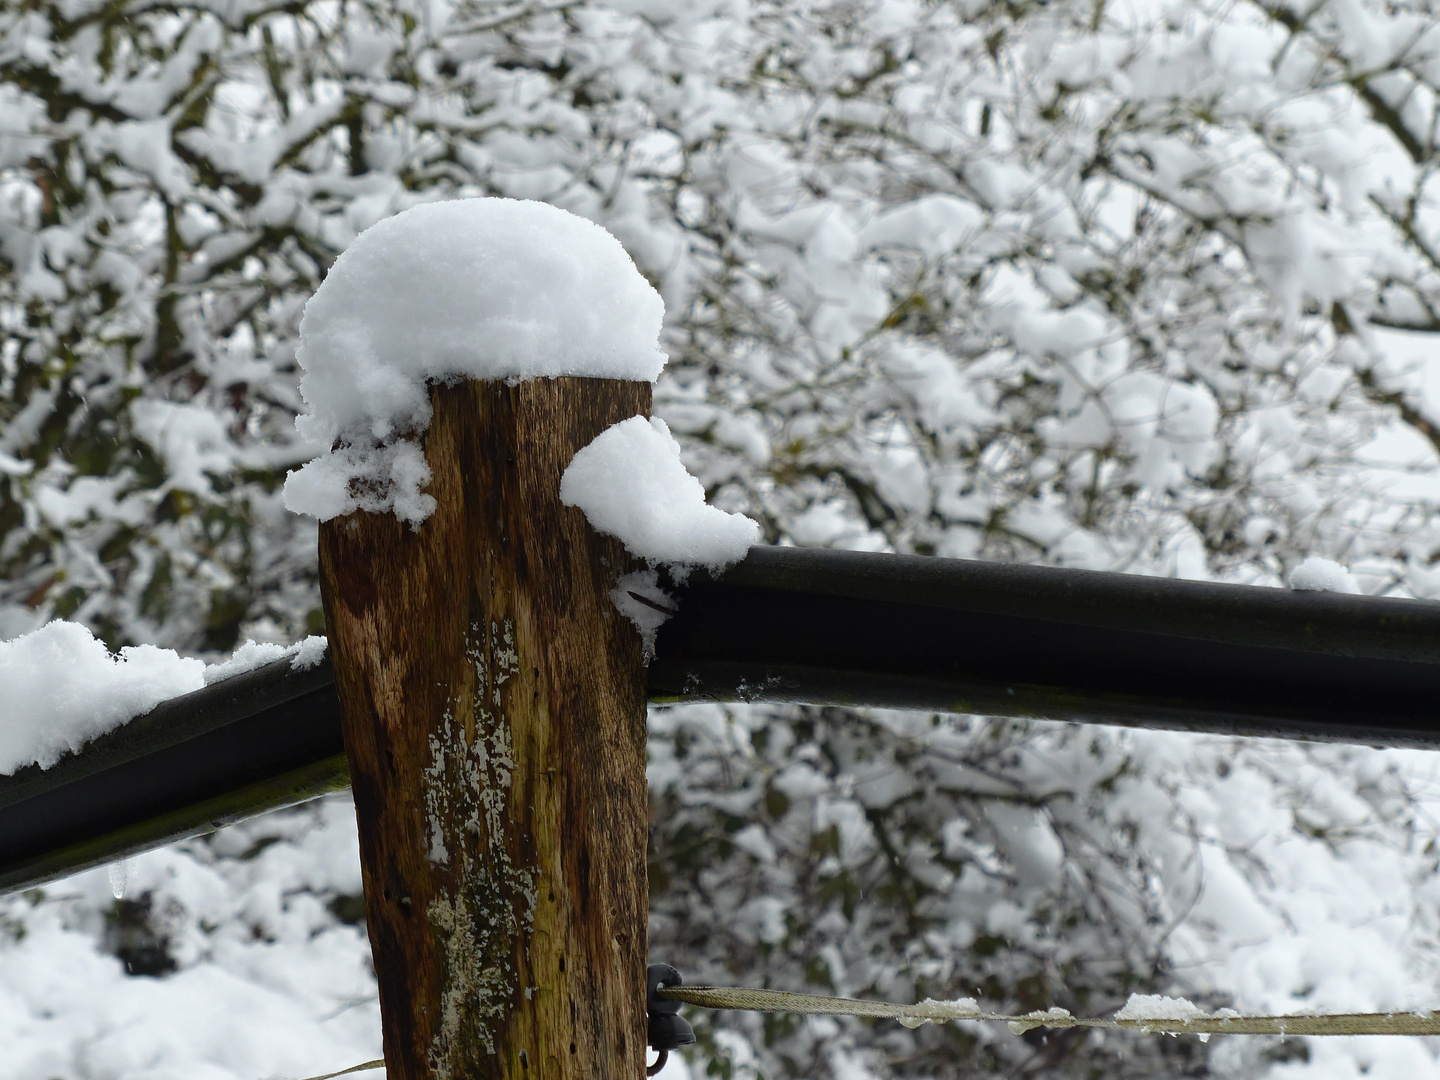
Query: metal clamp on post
[[667, 1029]]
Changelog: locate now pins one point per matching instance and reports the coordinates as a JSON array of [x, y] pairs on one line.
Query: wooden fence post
[[494, 713]]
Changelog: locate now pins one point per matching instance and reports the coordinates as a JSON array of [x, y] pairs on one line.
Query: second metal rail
[[805, 625]]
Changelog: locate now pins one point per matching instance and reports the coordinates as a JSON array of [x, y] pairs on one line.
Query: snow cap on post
[[495, 289]]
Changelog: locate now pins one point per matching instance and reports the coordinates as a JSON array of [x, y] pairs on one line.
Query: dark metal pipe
[[851, 628], [256, 742], [803, 625]]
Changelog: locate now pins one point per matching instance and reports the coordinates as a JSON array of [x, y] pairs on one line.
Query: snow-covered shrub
[[1142, 287]]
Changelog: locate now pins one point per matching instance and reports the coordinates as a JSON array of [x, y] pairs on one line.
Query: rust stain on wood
[[495, 720]]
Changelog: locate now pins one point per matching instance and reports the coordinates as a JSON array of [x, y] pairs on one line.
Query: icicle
[[119, 877]]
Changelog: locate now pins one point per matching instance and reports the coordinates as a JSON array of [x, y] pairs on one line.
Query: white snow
[[377, 479], [253, 654], [470, 288], [1322, 575], [308, 652], [846, 329], [631, 483], [640, 599], [190, 439], [268, 983], [1159, 1007], [63, 687]]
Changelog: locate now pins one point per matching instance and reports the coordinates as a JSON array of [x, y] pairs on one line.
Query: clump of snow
[[63, 688], [933, 1011], [190, 439], [470, 288], [937, 224], [1159, 1007], [631, 483], [309, 652], [375, 478], [1322, 575], [253, 654]]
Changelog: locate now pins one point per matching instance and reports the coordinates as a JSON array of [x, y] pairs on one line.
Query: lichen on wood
[[466, 791]]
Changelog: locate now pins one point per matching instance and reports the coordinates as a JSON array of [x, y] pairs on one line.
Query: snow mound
[[1322, 575], [63, 687], [465, 289], [1159, 1007], [631, 484]]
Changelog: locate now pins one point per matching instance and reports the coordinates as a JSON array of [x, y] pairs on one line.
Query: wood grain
[[494, 712]]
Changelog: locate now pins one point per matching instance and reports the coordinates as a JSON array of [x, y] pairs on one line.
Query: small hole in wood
[[524, 1060], [572, 1048], [562, 963]]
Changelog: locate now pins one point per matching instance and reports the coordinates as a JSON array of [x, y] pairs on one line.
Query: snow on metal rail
[[804, 625]]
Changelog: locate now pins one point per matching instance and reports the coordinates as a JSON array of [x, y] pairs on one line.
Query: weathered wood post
[[494, 713]]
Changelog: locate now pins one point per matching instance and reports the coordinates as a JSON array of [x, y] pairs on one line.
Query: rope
[[1225, 1022], [930, 1011], [378, 1063]]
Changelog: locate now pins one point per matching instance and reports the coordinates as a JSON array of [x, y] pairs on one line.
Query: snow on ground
[[63, 687], [260, 968], [469, 288], [242, 965]]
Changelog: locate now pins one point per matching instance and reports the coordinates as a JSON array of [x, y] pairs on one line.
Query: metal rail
[[256, 742], [853, 628], [804, 625]]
